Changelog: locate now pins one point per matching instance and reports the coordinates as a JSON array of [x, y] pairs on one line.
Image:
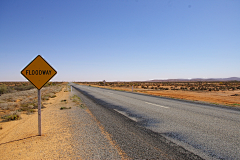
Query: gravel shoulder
[[67, 134]]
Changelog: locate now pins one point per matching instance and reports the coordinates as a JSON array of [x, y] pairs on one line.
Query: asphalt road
[[149, 127]]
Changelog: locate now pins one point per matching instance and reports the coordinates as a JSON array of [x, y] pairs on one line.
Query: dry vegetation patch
[[77, 100], [65, 108], [13, 102]]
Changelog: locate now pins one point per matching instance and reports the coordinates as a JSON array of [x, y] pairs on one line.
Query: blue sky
[[93, 40]]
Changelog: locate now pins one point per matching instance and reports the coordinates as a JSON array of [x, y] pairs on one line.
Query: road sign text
[[38, 72]]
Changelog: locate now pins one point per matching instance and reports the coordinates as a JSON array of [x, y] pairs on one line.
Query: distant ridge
[[197, 80]]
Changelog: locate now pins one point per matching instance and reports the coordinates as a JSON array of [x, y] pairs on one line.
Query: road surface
[[149, 127]]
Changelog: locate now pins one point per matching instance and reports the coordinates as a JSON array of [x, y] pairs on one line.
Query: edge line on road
[[156, 105]]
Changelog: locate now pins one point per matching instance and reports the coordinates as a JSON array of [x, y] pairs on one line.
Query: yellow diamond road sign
[[38, 72]]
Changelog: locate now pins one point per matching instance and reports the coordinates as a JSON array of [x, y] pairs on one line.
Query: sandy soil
[[19, 139], [215, 97]]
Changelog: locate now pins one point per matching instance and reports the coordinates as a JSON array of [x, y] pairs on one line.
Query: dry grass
[[67, 88], [25, 101], [184, 86], [77, 100]]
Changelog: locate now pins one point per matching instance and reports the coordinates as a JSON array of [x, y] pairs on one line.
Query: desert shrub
[[30, 111], [51, 95], [50, 84], [1, 127], [4, 106], [15, 115], [3, 89], [192, 88], [45, 97], [221, 83], [75, 98], [183, 88], [28, 106], [23, 87], [65, 108]]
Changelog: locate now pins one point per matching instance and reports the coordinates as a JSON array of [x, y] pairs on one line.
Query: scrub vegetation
[[11, 87], [65, 108], [184, 86], [77, 101], [15, 115], [17, 98]]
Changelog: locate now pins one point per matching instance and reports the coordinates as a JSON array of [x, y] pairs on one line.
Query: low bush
[[82, 106], [75, 98], [29, 107], [3, 89], [45, 97], [4, 106], [30, 111], [12, 116], [65, 108], [23, 87]]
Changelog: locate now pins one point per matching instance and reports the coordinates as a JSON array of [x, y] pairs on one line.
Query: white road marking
[[156, 105]]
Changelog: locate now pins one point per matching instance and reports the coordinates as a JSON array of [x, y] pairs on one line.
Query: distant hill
[[197, 80]]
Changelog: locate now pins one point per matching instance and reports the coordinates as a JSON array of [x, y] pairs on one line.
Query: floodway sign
[[38, 72]]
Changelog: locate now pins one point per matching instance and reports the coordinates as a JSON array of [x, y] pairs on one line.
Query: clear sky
[[93, 40]]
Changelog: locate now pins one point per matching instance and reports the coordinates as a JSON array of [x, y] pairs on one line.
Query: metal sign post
[[132, 88], [39, 113]]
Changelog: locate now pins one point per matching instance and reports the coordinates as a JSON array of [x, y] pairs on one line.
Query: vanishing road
[[149, 127]]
